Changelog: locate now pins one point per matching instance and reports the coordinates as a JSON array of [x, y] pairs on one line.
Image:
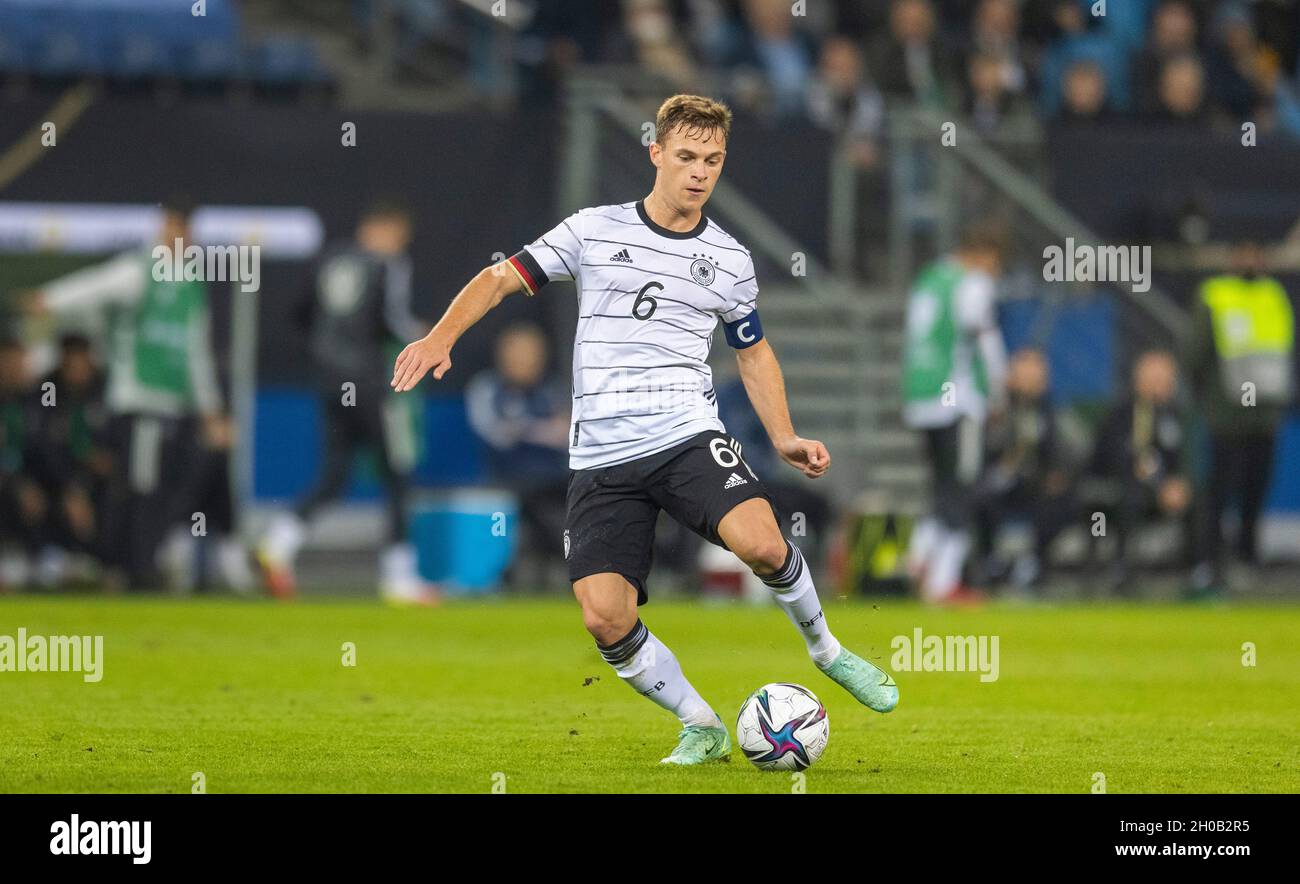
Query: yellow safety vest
[[1254, 333]]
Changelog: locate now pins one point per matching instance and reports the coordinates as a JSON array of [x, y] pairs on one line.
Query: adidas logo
[[736, 479], [622, 256]]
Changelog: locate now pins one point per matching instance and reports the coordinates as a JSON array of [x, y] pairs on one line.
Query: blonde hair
[[696, 113]]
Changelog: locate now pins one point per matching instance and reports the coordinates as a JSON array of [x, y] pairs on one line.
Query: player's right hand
[[430, 353]]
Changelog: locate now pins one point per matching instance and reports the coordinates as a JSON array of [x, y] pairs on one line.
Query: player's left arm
[[761, 374]]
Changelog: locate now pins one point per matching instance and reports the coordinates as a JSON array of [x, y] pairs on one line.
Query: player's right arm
[[553, 256], [432, 352], [117, 281]]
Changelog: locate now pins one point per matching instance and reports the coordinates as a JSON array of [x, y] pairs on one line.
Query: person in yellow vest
[[1240, 359]]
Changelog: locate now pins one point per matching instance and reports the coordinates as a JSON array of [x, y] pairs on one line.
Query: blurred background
[[868, 135]]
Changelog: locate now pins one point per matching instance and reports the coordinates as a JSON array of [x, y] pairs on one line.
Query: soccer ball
[[782, 727]]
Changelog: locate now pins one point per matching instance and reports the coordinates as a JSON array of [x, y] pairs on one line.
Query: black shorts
[[610, 526], [956, 459]]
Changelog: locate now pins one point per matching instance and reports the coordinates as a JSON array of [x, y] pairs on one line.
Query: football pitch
[[510, 693]]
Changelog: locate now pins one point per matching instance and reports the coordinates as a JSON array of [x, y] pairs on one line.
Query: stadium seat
[[280, 61]]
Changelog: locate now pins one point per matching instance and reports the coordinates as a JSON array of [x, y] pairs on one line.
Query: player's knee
[[607, 627], [766, 555]]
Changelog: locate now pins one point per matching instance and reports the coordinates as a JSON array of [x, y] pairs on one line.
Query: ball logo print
[[782, 727]]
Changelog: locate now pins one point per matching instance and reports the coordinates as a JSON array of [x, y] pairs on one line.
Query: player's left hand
[[808, 456], [432, 353]]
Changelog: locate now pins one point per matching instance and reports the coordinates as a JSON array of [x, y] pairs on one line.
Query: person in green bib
[[161, 381], [1241, 360], [954, 362]]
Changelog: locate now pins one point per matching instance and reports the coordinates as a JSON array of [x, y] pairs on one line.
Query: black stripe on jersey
[[635, 390], [716, 245], [637, 245], [612, 417], [657, 298], [643, 270], [651, 319], [718, 227], [695, 366], [695, 420], [743, 281], [684, 423], [567, 268], [641, 344], [621, 221]]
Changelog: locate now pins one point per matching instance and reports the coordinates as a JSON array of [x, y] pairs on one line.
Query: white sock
[[399, 571], [232, 559], [650, 668], [925, 536], [284, 538], [793, 589], [945, 568]]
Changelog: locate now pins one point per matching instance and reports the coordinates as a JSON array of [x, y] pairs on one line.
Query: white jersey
[[649, 300]]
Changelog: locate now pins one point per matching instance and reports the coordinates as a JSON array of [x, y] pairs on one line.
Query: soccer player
[[654, 277], [954, 365], [359, 303], [161, 379]]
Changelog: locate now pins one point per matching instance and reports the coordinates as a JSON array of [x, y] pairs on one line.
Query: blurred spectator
[[1278, 106], [161, 375], [1240, 354], [1182, 92], [23, 504], [1075, 41], [1084, 93], [520, 413], [1024, 472], [562, 34], [772, 62], [356, 314], [522, 416], [843, 99], [70, 457], [1233, 60], [660, 49], [1139, 450], [912, 62], [1173, 35], [995, 35], [989, 103]]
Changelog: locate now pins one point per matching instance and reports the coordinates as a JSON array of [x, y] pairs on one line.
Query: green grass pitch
[[255, 696]]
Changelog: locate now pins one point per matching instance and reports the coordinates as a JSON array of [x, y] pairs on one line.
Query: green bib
[[163, 319], [933, 336]]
